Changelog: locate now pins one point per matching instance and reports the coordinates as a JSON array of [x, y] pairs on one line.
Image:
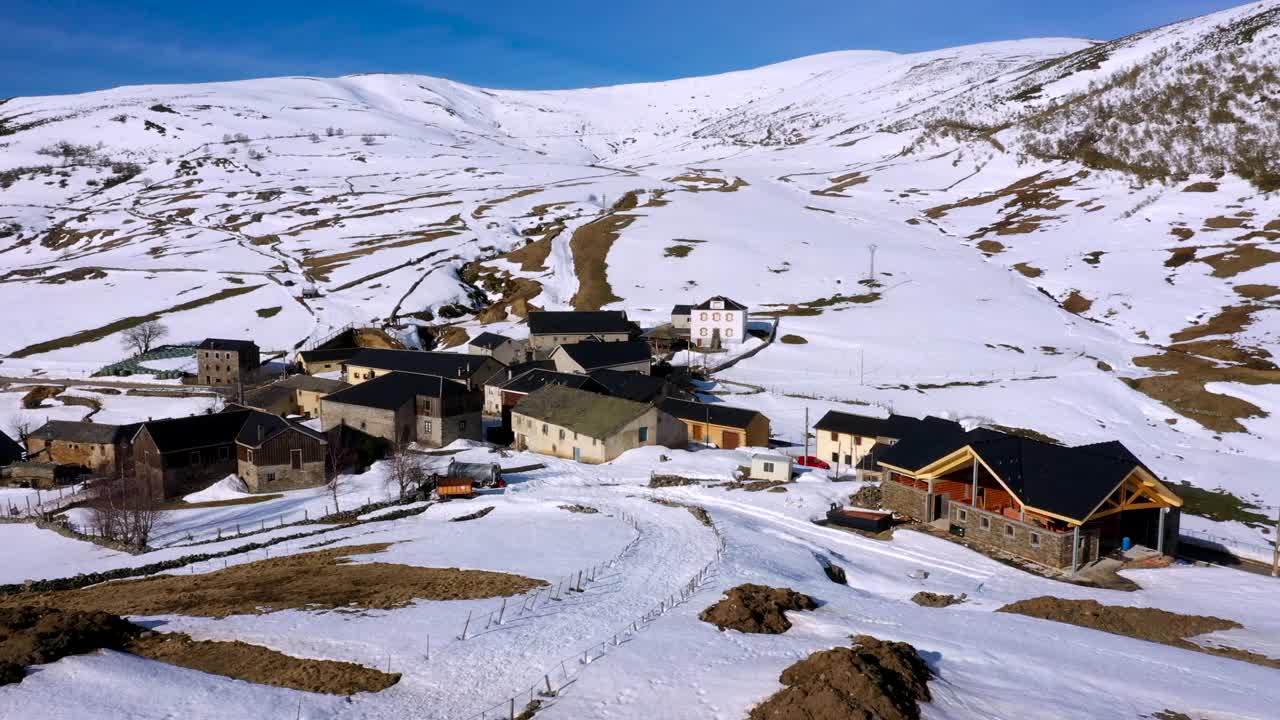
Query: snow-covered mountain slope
[[1018, 280]]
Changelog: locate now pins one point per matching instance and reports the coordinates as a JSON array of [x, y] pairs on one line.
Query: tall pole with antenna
[[871, 275]]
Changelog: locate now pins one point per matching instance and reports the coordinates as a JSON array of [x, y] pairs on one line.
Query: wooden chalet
[[1057, 506], [723, 426]]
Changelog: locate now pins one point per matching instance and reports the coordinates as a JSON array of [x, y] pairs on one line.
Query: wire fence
[[47, 502], [1234, 546], [564, 672]]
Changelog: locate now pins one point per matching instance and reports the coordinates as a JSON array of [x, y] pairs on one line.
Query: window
[[295, 459], [644, 434], [728, 316], [848, 459], [728, 332], [1035, 539], [426, 426], [577, 454], [544, 428], [985, 523], [715, 317], [835, 437], [768, 467], [462, 426], [561, 433], [702, 316], [962, 516], [702, 332], [271, 477], [1008, 530], [835, 457]]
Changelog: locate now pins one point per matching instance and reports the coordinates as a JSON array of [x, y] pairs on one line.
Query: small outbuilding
[[770, 467]]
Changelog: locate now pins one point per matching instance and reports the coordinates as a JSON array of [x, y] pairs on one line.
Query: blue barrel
[[1126, 544]]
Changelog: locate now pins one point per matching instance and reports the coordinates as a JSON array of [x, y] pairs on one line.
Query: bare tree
[[405, 472], [21, 427], [337, 463], [123, 507], [141, 338]]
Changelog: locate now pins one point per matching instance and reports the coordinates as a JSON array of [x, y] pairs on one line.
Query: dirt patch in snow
[[1201, 187], [1151, 624], [1077, 303], [36, 396], [264, 666], [1257, 291], [590, 246], [38, 635], [585, 509], [473, 516], [321, 580], [840, 183], [934, 600], [752, 608], [1030, 271], [872, 679], [1240, 259]]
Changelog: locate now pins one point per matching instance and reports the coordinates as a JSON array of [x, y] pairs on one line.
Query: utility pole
[[806, 432], [1275, 554], [861, 353], [872, 275]]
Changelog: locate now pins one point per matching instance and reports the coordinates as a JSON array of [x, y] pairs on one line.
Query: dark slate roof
[[224, 344], [90, 433], [335, 355], [10, 451], [894, 426], [534, 379], [175, 434], [592, 414], [629, 385], [259, 427], [592, 355], [1062, 480], [393, 390], [444, 364], [489, 341], [714, 413], [577, 323], [931, 438], [729, 304], [681, 309], [518, 369], [312, 383]]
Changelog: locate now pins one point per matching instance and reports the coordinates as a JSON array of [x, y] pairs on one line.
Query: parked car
[[813, 462]]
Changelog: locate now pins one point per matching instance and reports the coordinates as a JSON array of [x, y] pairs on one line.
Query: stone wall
[[1017, 538], [282, 477], [903, 500]]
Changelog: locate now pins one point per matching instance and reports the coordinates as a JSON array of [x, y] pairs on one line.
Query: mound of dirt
[[754, 608], [37, 635], [874, 679], [869, 497], [1151, 624], [934, 600], [321, 580], [473, 516], [264, 666]]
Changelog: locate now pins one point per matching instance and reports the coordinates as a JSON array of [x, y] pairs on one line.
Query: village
[[588, 387]]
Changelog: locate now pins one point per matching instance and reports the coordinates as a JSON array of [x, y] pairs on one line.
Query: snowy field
[[987, 664]]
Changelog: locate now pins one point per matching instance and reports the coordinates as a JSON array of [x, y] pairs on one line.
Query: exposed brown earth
[[1240, 259], [264, 666], [36, 396], [1151, 624], [1257, 291], [1028, 270], [486, 207], [1077, 303], [1183, 389], [697, 182], [840, 183], [873, 680], [590, 245], [990, 247], [321, 580], [38, 635], [1182, 233], [1201, 187], [585, 509], [934, 600], [1224, 223], [1022, 198], [476, 516], [754, 608]]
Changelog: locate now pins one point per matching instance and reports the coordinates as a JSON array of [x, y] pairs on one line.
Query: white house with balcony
[[718, 321]]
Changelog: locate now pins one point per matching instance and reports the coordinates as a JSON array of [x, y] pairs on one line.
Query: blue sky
[[64, 46]]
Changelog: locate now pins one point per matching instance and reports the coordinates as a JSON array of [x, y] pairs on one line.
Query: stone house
[[590, 428], [850, 441], [549, 330], [500, 397], [470, 371], [178, 456], [274, 454], [96, 447], [294, 395], [680, 316], [499, 347], [226, 362], [718, 321], [407, 407], [584, 357], [1057, 506], [723, 426]]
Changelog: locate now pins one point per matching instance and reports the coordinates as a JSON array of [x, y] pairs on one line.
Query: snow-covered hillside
[[1011, 287]]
